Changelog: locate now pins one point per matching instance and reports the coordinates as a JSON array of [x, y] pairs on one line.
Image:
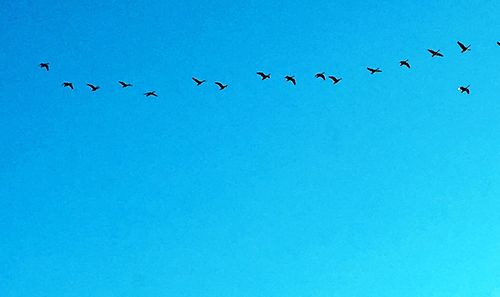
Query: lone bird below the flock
[[464, 89]]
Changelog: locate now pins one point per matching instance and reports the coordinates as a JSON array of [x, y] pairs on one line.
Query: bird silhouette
[[404, 63], [197, 81], [93, 88], [44, 65], [464, 89], [498, 43], [334, 79], [320, 75], [291, 79], [68, 85], [151, 93], [124, 84], [463, 47], [263, 75], [435, 53], [221, 86], [373, 71]]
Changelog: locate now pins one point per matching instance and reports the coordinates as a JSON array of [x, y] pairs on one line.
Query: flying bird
[[93, 88], [463, 47], [263, 75], [435, 53], [498, 43], [221, 86], [124, 84], [68, 85], [291, 79], [197, 81], [151, 93], [334, 79], [404, 63], [464, 89], [44, 65], [373, 71], [320, 75]]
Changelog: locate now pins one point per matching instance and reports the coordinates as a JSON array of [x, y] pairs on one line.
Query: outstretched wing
[[461, 45]]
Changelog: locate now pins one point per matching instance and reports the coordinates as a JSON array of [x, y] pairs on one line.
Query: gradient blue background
[[384, 185]]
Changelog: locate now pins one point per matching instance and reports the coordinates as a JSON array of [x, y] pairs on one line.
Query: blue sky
[[383, 185]]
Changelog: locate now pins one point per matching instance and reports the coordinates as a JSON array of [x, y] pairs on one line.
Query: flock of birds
[[288, 78]]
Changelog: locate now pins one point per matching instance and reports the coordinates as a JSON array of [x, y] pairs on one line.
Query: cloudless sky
[[382, 185]]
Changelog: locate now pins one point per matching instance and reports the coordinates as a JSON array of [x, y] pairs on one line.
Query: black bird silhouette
[[291, 79], [124, 84], [151, 93], [221, 86], [320, 75], [93, 88], [68, 85], [197, 81], [263, 75], [463, 47], [404, 63], [498, 43], [44, 65], [464, 89], [373, 71], [334, 79], [435, 53]]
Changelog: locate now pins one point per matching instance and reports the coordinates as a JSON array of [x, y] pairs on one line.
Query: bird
[[124, 84], [463, 47], [291, 79], [68, 85], [435, 53], [320, 75], [334, 79], [44, 65], [404, 63], [221, 86], [197, 81], [93, 88], [263, 75], [498, 43], [464, 89], [151, 93], [373, 71]]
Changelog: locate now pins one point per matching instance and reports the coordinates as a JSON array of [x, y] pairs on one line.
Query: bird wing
[[439, 54], [122, 83], [431, 51], [461, 45], [261, 73], [195, 80], [293, 81], [219, 84]]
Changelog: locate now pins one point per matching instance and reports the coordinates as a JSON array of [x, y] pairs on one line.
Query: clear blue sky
[[383, 185]]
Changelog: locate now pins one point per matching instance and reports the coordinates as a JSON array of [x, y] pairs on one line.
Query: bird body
[[405, 63], [464, 89], [435, 53], [151, 93], [320, 75], [263, 75], [44, 65], [334, 79], [374, 70], [463, 47], [68, 85], [124, 84], [291, 79], [93, 88], [221, 85], [198, 81]]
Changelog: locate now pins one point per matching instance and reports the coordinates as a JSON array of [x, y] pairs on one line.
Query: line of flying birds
[[288, 78]]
